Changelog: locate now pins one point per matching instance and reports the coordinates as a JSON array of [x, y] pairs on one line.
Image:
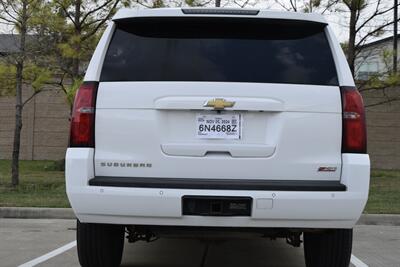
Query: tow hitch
[[139, 234], [294, 239]]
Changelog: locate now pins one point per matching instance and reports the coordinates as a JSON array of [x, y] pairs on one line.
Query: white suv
[[222, 119]]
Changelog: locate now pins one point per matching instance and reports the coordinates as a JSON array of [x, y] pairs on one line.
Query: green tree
[[7, 79], [17, 14], [367, 19], [73, 28]]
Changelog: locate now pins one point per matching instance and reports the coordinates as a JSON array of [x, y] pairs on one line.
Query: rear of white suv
[[217, 119]]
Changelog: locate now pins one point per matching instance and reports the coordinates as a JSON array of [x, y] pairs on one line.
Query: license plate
[[218, 126]]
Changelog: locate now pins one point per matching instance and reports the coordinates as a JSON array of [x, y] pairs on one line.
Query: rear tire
[[100, 245], [331, 248]]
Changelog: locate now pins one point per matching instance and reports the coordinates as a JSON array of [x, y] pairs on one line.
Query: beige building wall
[[383, 122], [46, 126]]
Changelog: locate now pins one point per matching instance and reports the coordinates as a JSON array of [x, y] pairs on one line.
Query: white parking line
[[357, 262], [49, 255]]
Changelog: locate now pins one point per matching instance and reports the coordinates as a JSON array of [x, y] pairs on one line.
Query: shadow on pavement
[[229, 253]]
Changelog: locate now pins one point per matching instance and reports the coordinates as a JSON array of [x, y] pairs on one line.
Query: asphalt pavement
[[50, 242]]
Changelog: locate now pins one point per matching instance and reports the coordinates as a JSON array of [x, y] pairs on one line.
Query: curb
[[67, 213], [379, 219], [36, 213]]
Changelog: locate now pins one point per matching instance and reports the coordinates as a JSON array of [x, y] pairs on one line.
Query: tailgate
[[287, 131]]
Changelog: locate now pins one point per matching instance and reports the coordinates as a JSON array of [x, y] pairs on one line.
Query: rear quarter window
[[219, 50]]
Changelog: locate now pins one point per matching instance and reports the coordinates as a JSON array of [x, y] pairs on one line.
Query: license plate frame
[[219, 126]]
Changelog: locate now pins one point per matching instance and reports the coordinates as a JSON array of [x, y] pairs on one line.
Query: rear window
[[219, 50]]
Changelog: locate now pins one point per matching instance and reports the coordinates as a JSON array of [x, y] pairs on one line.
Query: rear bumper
[[163, 206]]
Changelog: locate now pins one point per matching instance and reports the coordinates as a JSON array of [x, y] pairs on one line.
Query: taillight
[[83, 115], [354, 139]]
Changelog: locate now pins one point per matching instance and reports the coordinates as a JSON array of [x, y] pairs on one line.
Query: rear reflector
[[354, 138], [83, 115]]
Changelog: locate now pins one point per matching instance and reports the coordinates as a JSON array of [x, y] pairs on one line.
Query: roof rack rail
[[220, 11]]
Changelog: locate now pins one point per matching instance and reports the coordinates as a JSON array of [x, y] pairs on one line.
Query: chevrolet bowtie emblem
[[219, 103]]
